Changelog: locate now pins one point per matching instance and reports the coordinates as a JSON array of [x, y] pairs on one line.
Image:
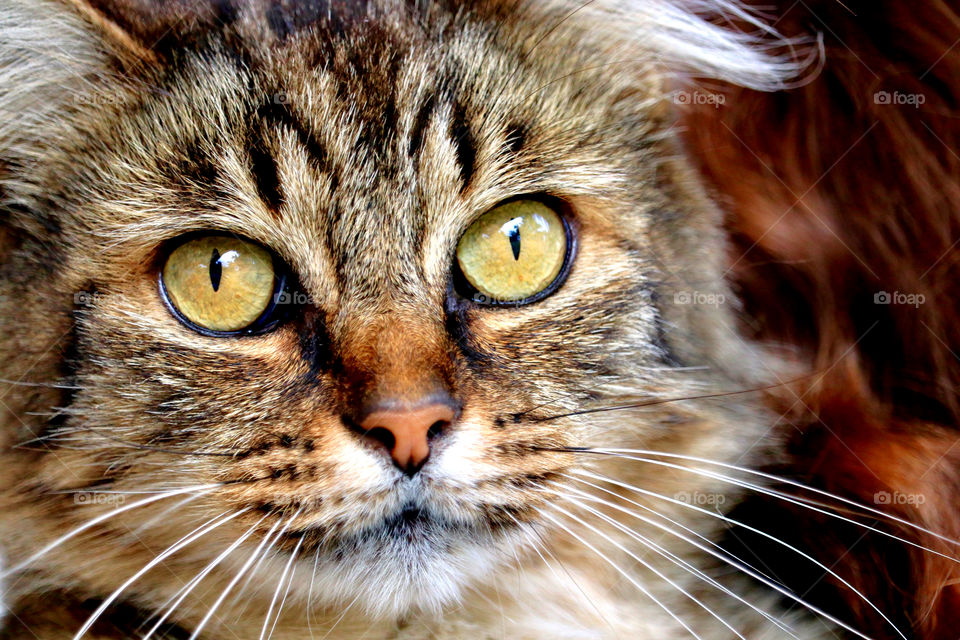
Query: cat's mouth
[[413, 557], [410, 524]]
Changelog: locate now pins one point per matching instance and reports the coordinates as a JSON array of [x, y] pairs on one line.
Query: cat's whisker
[[343, 614], [197, 533], [200, 489], [659, 401], [672, 557], [313, 579], [263, 556], [48, 385], [790, 482], [791, 499], [617, 568], [287, 570], [735, 563], [641, 561], [540, 543], [728, 519], [163, 514], [671, 521], [519, 568], [177, 598], [230, 585]]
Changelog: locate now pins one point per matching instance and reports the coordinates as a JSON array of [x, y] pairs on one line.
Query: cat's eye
[[514, 254], [222, 284]]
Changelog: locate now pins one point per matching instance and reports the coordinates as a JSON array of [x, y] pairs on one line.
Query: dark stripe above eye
[[279, 114], [270, 117], [420, 125], [266, 174], [516, 137], [464, 143]]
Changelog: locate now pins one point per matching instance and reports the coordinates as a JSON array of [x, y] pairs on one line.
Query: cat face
[[287, 268]]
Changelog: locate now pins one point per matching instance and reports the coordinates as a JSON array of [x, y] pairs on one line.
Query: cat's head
[[343, 280]]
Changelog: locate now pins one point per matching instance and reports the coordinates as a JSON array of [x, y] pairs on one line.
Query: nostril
[[406, 432], [437, 429], [383, 436]]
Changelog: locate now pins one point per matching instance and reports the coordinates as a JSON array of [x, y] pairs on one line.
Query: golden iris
[[513, 252], [218, 282]]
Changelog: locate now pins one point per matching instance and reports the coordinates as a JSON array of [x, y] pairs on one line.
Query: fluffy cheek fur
[[150, 405], [156, 406]]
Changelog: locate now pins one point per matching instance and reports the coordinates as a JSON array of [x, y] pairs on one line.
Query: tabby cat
[[381, 319]]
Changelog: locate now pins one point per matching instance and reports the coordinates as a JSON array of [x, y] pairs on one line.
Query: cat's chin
[[412, 562]]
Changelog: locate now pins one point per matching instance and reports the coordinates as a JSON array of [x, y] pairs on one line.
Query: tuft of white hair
[[701, 39]]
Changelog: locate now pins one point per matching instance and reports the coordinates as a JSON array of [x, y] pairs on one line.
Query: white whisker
[[619, 570], [189, 538], [643, 562], [660, 550], [343, 615], [280, 583], [182, 593], [204, 489], [160, 516], [263, 556], [313, 578], [799, 485], [543, 544], [795, 500], [724, 518], [233, 582]]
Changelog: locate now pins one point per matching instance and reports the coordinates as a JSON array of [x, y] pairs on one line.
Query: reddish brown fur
[[833, 198]]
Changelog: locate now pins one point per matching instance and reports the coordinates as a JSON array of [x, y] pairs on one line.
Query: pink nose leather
[[406, 432]]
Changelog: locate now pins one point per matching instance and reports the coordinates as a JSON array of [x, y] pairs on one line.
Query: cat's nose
[[406, 431]]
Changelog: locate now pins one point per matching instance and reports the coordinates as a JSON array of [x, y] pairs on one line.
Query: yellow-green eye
[[220, 283], [514, 253]]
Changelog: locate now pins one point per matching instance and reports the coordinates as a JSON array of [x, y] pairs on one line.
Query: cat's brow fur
[[357, 140]]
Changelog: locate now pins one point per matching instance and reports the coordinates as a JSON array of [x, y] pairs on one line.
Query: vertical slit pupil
[[515, 242], [216, 270]]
